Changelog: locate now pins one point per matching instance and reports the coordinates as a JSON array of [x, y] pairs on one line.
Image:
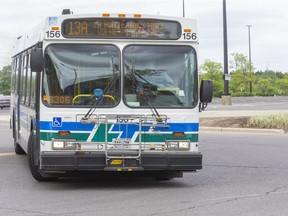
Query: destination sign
[[121, 28]]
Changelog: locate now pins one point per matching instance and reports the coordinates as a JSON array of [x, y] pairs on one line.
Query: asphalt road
[[244, 174], [252, 103], [247, 106]]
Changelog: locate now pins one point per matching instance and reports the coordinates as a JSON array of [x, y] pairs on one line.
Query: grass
[[276, 121]]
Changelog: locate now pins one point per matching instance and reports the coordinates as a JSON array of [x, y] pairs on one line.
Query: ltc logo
[[127, 131], [57, 122]]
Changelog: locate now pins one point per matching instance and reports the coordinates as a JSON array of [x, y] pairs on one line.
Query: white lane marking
[[7, 154]]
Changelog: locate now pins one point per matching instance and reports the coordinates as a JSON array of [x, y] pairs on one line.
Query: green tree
[[213, 71], [5, 80], [282, 85], [277, 80], [269, 74], [280, 75], [244, 72], [264, 87]]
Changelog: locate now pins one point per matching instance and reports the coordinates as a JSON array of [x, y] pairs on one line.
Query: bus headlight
[[178, 144], [64, 144]]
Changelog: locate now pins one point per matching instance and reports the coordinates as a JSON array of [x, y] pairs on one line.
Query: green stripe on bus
[[163, 137], [100, 137], [46, 136]]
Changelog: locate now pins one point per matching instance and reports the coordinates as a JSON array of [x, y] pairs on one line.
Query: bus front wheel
[[34, 168]]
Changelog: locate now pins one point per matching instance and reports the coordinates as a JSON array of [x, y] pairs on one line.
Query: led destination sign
[[121, 28]]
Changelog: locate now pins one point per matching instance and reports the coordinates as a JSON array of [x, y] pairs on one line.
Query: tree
[[280, 75], [278, 81], [264, 87], [213, 71], [236, 83], [5, 80], [282, 85], [244, 71]]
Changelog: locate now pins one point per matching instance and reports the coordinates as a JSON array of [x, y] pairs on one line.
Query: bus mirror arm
[[37, 60], [202, 106], [206, 94]]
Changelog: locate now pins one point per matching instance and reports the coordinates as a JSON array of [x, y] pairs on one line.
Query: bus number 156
[[190, 36], [52, 34]]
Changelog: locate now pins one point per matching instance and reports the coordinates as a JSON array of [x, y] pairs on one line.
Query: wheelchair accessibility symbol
[[57, 122]]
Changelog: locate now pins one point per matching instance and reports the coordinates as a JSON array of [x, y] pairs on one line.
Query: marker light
[[137, 15], [178, 134], [121, 15], [64, 133]]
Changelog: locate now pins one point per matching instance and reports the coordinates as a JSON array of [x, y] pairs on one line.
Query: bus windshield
[[160, 76], [81, 75]]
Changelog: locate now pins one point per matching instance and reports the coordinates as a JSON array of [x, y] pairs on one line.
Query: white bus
[[108, 92]]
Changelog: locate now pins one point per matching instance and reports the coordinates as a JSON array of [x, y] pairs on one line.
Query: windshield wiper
[[100, 96], [141, 92]]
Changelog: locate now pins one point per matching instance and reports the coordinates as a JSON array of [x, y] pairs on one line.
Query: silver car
[[4, 101]]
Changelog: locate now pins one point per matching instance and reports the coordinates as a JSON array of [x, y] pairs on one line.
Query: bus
[[108, 93]]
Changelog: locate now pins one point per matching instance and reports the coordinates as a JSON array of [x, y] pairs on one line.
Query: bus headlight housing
[[64, 144], [178, 144]]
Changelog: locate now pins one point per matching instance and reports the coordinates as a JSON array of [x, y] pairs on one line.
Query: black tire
[[18, 149], [34, 169]]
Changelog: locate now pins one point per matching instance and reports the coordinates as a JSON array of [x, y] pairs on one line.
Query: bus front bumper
[[150, 161]]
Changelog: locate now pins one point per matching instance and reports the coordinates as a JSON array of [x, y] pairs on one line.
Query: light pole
[[226, 97], [249, 27], [183, 8]]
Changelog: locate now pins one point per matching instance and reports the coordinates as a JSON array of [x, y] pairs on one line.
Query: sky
[[269, 31]]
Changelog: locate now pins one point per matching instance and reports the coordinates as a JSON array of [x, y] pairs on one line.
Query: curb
[[249, 130]]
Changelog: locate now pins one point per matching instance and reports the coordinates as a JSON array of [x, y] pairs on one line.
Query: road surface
[[244, 174]]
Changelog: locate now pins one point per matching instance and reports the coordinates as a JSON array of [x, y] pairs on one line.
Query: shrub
[[278, 121], [242, 94]]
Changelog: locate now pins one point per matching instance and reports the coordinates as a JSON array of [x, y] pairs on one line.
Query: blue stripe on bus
[[77, 126], [71, 126], [129, 130]]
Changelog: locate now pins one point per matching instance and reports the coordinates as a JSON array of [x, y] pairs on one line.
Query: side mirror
[[206, 94], [37, 60]]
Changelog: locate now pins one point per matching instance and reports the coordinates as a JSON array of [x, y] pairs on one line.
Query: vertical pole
[[226, 97], [183, 8], [226, 82], [249, 26]]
